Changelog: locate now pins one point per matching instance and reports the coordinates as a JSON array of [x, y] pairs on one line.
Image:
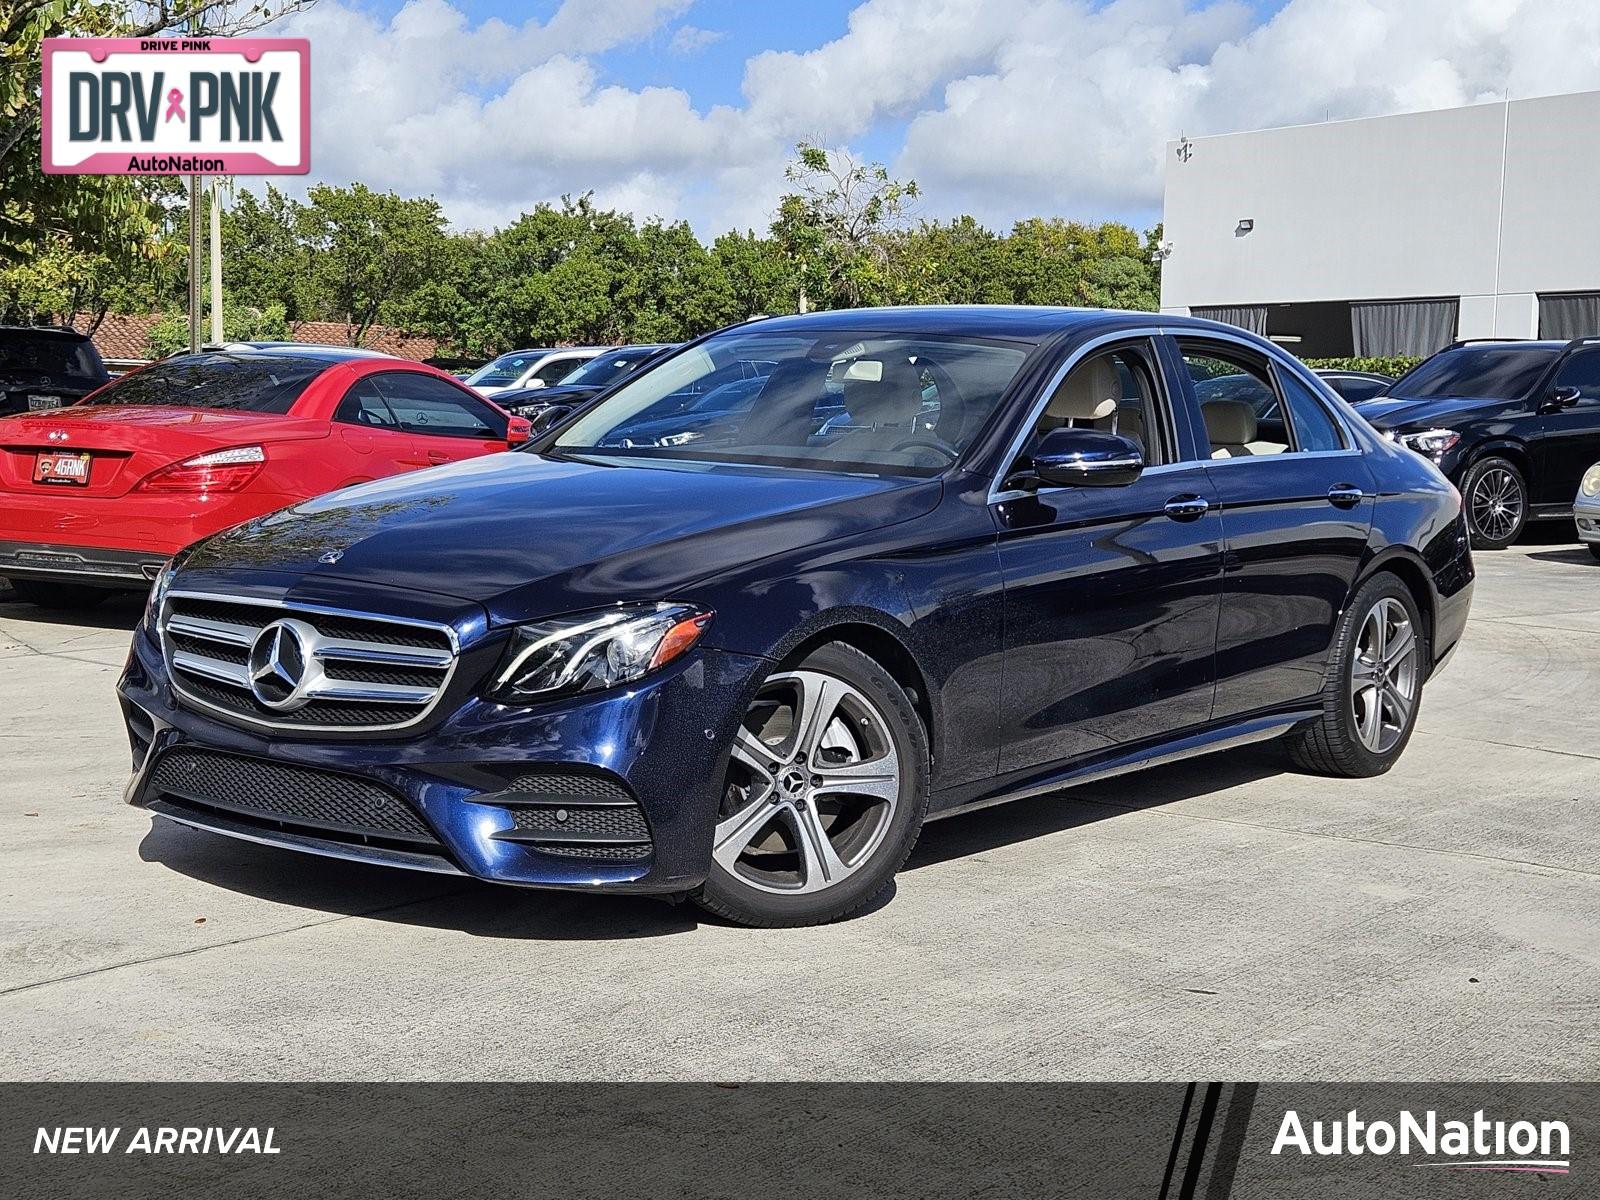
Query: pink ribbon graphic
[[174, 105]]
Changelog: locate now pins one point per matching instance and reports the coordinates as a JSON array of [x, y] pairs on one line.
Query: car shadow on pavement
[[119, 611], [1578, 556], [967, 835], [348, 889]]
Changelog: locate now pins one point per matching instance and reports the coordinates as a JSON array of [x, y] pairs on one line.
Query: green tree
[[834, 226], [368, 251], [761, 278]]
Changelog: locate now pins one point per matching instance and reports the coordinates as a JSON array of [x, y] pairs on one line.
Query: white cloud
[[691, 39], [1004, 108]]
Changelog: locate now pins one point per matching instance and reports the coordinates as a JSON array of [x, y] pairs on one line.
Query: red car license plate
[[71, 469]]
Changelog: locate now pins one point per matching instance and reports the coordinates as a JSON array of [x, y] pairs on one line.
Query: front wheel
[[1373, 686], [826, 791], [1594, 549], [1496, 499]]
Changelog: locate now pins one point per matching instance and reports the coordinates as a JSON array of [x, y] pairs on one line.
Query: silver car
[[1587, 509]]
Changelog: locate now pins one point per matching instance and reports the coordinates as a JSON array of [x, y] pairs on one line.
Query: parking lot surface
[[1222, 918]]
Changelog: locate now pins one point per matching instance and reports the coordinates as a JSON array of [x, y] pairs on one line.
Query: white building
[[1393, 235]]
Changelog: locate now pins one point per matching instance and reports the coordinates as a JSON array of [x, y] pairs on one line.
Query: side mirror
[[518, 431], [547, 418], [1087, 458]]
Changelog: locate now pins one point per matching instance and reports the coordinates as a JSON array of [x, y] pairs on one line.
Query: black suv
[[44, 367], [1513, 424]]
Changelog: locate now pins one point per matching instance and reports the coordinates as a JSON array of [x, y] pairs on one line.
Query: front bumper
[[1587, 512], [616, 791]]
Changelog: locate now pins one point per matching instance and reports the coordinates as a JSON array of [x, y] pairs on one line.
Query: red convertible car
[[98, 495]]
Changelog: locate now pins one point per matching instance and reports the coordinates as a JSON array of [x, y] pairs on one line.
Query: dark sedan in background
[[589, 380], [1514, 424], [745, 666], [1357, 386], [44, 368]]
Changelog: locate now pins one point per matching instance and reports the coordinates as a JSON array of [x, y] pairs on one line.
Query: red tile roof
[[125, 336]]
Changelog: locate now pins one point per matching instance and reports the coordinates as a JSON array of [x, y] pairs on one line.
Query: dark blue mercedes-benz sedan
[[945, 557]]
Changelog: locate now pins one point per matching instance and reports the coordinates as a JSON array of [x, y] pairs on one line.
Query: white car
[[1587, 509], [529, 369]]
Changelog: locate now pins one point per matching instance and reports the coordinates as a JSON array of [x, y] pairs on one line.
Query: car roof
[[557, 350], [1024, 321], [309, 350], [295, 352], [60, 331]]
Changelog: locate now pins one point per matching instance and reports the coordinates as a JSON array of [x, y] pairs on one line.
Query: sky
[[1005, 109]]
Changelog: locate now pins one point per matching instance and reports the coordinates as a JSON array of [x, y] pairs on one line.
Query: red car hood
[[127, 444]]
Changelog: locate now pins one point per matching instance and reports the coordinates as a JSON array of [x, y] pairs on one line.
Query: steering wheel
[[932, 442]]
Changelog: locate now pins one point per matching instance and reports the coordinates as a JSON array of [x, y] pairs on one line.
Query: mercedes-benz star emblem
[[329, 557], [281, 666]]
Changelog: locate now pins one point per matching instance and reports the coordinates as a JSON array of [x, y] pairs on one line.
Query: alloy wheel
[[814, 781], [1497, 504], [1383, 676]]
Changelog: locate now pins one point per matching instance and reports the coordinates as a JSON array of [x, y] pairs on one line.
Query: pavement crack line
[[239, 941], [1456, 737], [1343, 837]]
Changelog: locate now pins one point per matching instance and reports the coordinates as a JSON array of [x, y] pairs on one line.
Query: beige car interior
[[1099, 396], [1231, 429]]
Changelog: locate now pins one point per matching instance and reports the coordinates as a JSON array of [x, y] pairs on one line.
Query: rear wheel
[[1496, 500], [58, 595], [1373, 687], [826, 791]]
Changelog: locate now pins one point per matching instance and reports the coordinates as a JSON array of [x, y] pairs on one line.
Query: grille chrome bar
[[362, 671], [213, 631], [234, 674]]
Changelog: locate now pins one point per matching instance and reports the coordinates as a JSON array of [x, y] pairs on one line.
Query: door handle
[[438, 456], [1187, 507], [1345, 495]]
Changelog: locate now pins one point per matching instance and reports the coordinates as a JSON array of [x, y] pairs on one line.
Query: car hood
[[561, 393], [527, 536], [1394, 412]]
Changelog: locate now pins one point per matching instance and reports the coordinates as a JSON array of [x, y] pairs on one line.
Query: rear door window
[[425, 405]]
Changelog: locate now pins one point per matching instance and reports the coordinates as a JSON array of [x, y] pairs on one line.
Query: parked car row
[[742, 614]]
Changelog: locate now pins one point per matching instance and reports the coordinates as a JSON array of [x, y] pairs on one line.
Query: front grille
[[575, 816], [344, 671], [293, 797]]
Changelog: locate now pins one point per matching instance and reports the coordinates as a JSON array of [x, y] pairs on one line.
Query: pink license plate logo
[[177, 106]]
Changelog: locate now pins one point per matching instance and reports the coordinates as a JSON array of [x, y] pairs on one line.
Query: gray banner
[[1161, 1141]]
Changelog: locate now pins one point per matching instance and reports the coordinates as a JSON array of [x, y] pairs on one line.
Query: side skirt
[[1225, 737]]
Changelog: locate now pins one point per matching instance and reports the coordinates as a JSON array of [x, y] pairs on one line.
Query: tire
[[68, 596], [1594, 549], [1495, 497], [789, 851], [1347, 739]]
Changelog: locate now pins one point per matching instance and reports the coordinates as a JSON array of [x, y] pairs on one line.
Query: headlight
[[1432, 442], [1591, 481], [594, 650], [158, 592]]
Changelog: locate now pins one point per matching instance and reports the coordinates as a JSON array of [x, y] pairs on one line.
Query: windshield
[[1490, 372], [856, 402], [256, 383], [611, 366], [52, 355], [505, 370]]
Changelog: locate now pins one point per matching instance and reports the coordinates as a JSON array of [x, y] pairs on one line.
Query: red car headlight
[[219, 471]]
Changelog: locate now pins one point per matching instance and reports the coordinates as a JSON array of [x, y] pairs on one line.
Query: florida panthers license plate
[[70, 469]]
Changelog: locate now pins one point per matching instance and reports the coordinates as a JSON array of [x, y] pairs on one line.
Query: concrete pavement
[[1217, 919]]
